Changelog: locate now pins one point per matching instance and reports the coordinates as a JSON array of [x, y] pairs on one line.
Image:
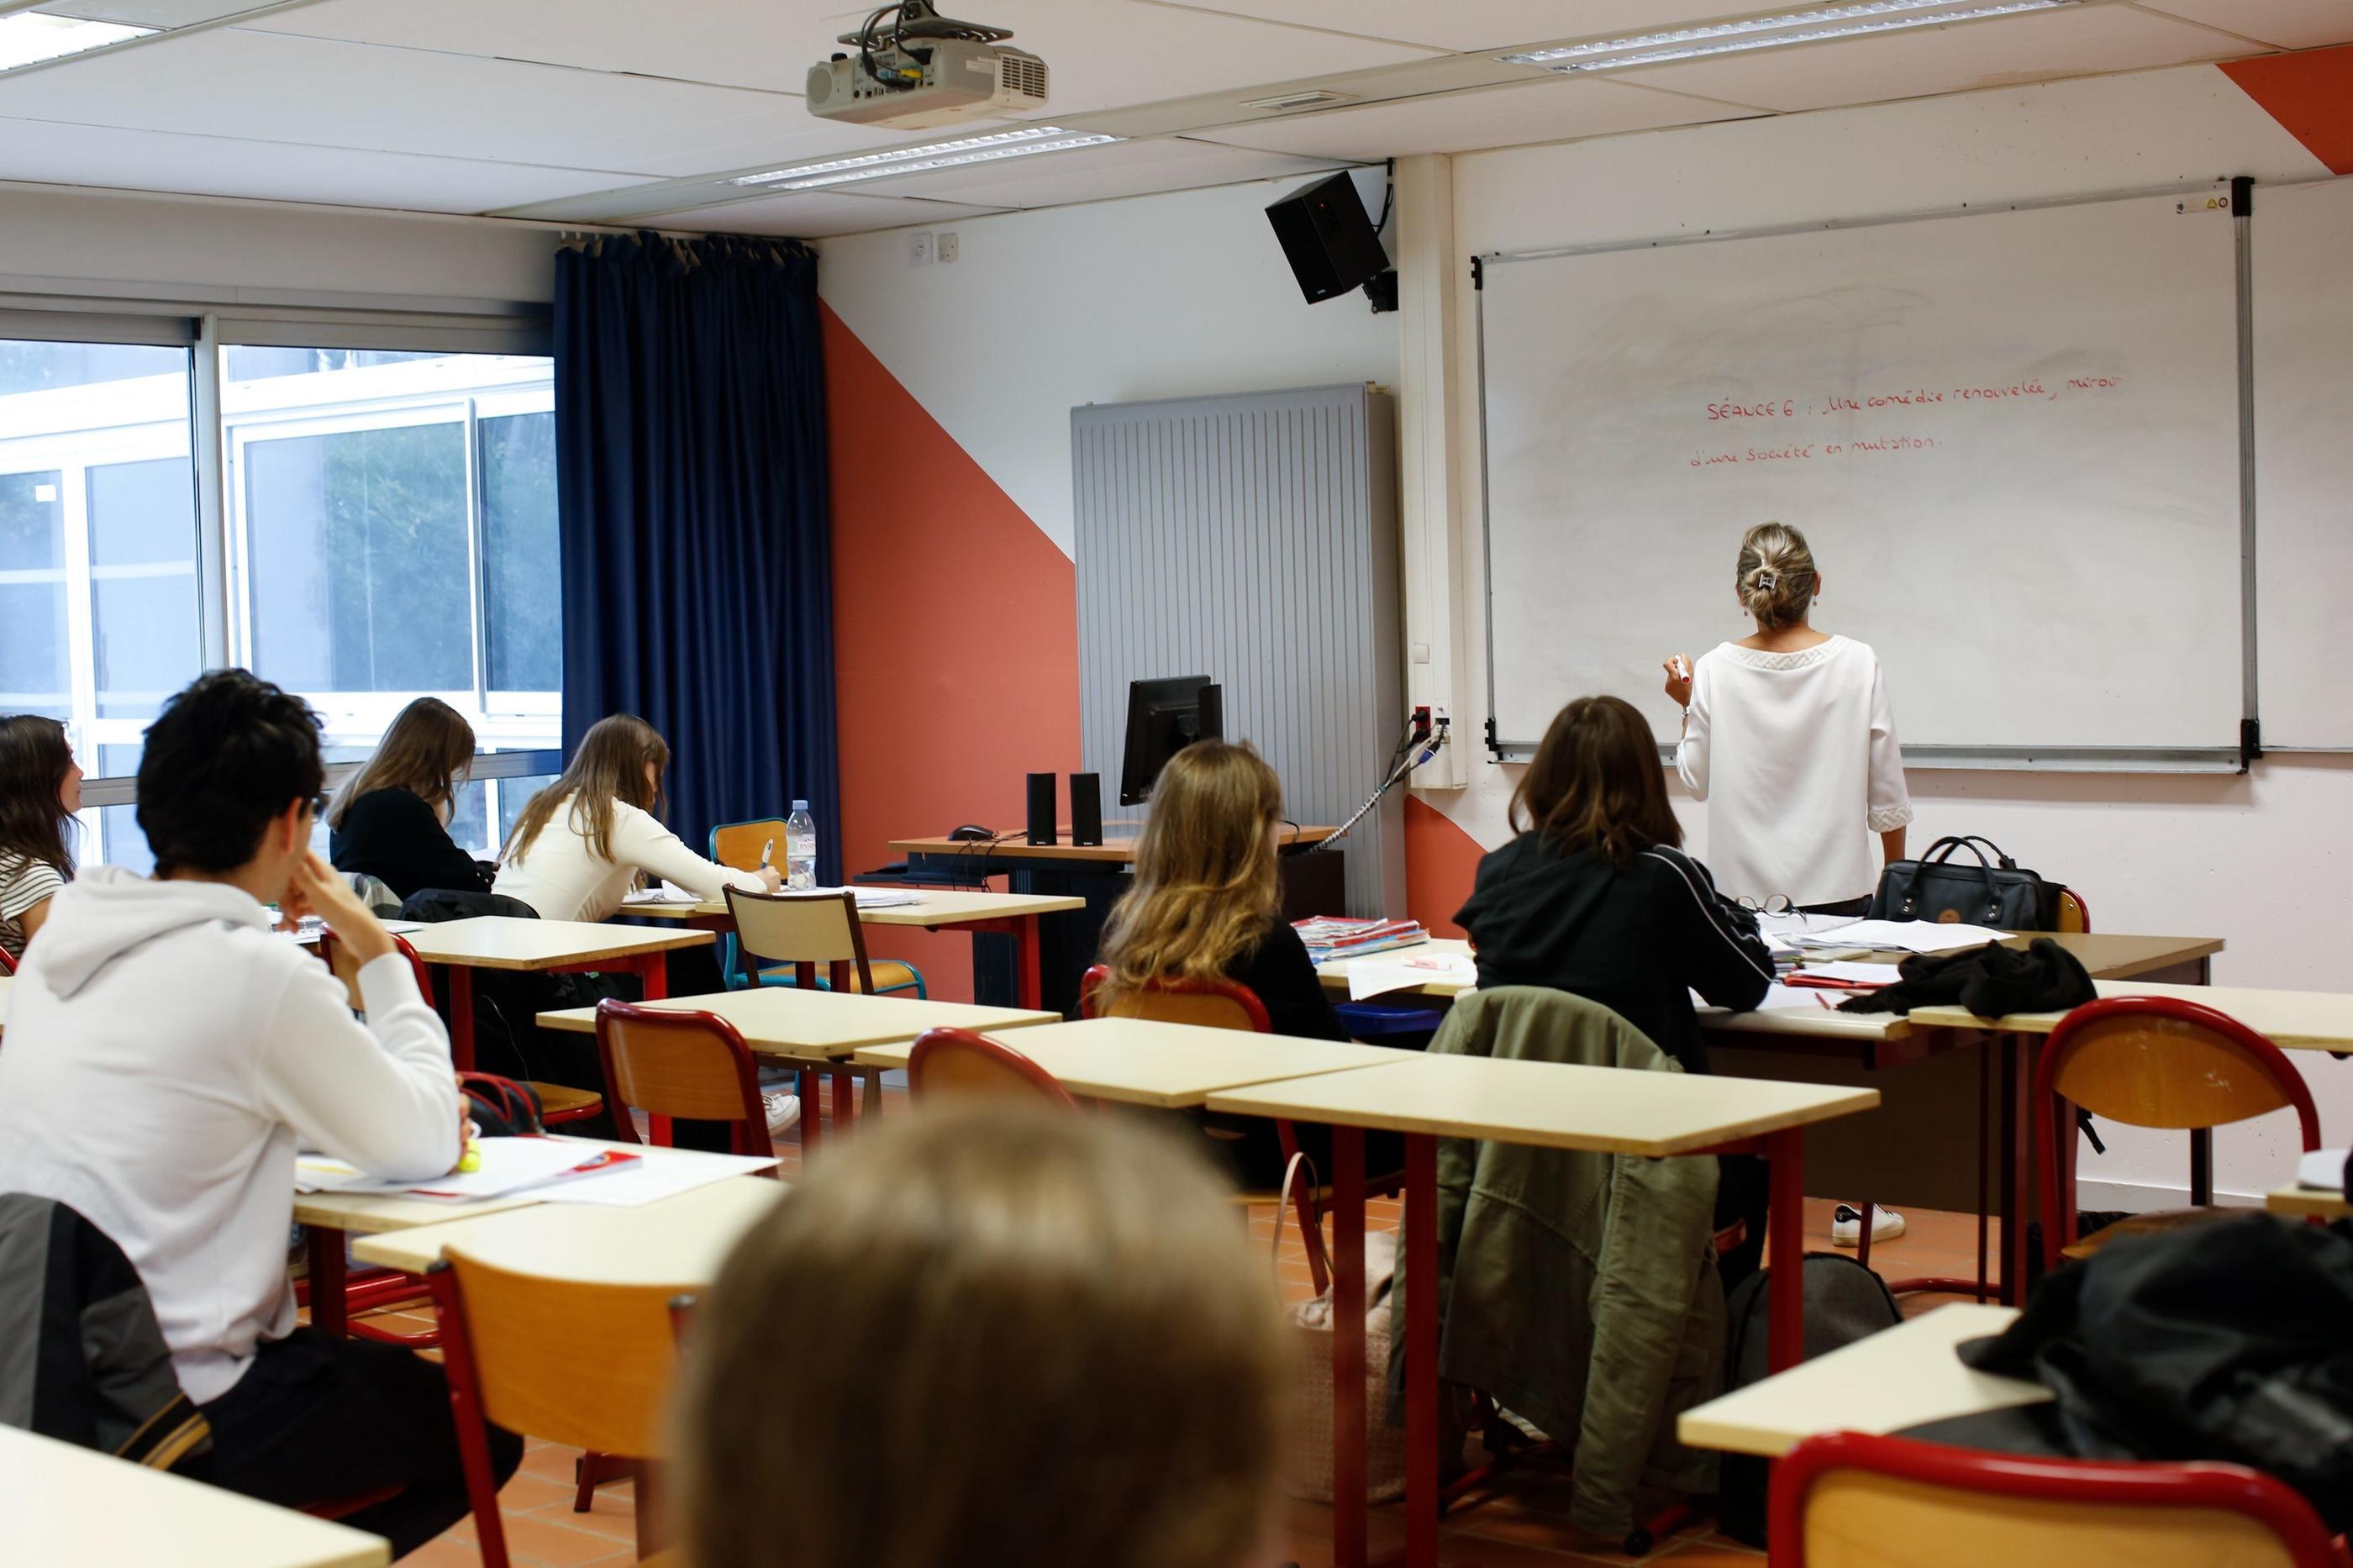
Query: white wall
[[2256, 859], [1170, 295]]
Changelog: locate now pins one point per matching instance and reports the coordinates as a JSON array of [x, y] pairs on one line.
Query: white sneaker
[[784, 1112], [1846, 1226]]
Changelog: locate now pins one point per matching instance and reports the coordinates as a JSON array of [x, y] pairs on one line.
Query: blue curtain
[[690, 464]]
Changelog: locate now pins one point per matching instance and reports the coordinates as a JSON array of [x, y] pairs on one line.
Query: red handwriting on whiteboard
[[1807, 452], [1785, 408], [2093, 382], [2018, 389]]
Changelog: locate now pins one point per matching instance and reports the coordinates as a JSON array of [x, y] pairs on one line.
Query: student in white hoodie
[[167, 1053]]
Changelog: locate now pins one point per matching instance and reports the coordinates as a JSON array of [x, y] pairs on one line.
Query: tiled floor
[[1523, 1525]]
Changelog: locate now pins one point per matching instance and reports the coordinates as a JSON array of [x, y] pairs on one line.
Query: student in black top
[[1596, 897], [390, 819]]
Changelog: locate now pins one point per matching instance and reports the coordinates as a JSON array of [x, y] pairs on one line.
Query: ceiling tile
[[148, 13], [2283, 23], [814, 215], [1096, 174], [1481, 24], [274, 171], [1558, 109], [1149, 52], [2089, 40]]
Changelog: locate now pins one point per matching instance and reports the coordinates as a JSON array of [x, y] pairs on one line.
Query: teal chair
[[739, 845]]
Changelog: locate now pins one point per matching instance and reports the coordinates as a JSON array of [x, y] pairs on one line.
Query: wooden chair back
[[803, 929], [967, 1065], [1847, 1500], [346, 968], [669, 1062], [2151, 1061], [588, 1366], [737, 845], [1211, 1004], [2075, 914]]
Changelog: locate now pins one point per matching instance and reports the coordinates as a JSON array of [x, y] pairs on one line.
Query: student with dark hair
[[40, 790], [391, 818], [167, 1053]]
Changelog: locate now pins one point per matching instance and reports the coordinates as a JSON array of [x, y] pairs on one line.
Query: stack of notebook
[[1330, 936]]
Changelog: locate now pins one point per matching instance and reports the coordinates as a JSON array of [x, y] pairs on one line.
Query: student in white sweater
[[168, 1052], [583, 840], [1789, 736]]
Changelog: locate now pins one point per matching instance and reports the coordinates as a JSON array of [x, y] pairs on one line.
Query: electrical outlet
[[1421, 725], [949, 249], [920, 254]]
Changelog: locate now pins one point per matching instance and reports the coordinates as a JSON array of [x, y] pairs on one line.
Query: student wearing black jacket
[[390, 819], [1596, 897]]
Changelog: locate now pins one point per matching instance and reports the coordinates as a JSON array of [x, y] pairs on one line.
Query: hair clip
[[1765, 578]]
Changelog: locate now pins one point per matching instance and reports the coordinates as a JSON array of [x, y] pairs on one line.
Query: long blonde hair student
[[1049, 1347], [620, 758], [1206, 884], [1774, 577], [428, 752]]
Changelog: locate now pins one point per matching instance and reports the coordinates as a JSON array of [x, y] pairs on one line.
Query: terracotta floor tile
[[528, 1493], [540, 1540], [445, 1552]]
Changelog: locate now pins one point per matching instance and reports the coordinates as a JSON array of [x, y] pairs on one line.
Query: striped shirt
[[25, 882]]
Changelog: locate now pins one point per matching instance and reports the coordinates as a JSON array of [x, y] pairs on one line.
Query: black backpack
[[1844, 1303], [500, 1106]]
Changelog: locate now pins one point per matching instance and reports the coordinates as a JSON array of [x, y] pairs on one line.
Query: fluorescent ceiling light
[[28, 38], [1860, 18], [948, 155]]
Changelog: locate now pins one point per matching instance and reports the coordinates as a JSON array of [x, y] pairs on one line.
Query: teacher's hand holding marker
[[1678, 680]]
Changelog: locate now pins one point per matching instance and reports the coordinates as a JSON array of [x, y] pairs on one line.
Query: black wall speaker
[[1332, 245], [1041, 809], [1086, 808]]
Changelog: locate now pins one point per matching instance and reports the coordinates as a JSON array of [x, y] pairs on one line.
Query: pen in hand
[[767, 854]]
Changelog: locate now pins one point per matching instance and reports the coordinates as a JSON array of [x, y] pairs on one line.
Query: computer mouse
[[973, 833]]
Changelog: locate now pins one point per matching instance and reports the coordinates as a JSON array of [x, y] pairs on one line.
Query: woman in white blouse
[[1788, 737]]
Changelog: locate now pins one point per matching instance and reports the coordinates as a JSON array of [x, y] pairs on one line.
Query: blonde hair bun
[[1775, 575]]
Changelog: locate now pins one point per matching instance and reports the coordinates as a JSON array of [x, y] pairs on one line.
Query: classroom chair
[[1224, 1005], [7, 965], [2151, 1061], [588, 1366], [960, 1062], [1849, 1500], [738, 845], [797, 932], [671, 1064], [2075, 914]]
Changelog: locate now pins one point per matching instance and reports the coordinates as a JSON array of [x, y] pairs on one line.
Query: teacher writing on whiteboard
[[1789, 736]]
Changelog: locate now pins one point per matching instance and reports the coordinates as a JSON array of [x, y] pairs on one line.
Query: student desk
[[821, 1030], [1334, 974], [1168, 1067], [1013, 915], [1096, 875], [2307, 1202], [547, 947], [678, 1241], [1545, 1105], [64, 1504], [1897, 1378]]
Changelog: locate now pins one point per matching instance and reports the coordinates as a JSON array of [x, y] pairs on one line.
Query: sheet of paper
[[661, 1174], [1378, 976], [1779, 997], [509, 1165], [665, 894], [1904, 936], [1864, 973], [2323, 1169]]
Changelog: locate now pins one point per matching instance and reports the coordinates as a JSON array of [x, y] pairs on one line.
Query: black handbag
[[1989, 892]]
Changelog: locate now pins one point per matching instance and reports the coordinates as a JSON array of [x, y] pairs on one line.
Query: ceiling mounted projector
[[924, 69]]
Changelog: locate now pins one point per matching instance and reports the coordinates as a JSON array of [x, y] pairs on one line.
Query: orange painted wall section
[[1441, 863], [2310, 94], [955, 638]]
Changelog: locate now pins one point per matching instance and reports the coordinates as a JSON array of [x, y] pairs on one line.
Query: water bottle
[[801, 848]]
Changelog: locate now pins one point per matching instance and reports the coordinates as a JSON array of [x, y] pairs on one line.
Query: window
[[384, 526]]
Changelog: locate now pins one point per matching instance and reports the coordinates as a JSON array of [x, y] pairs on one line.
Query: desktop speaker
[[1332, 245], [1086, 808], [1041, 809]]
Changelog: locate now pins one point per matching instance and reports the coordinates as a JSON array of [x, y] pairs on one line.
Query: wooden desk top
[[940, 907], [508, 941], [1014, 844], [2307, 1202], [2121, 956], [678, 1242], [822, 1026], [1141, 1061], [1549, 1105], [65, 1504], [2292, 1020], [1897, 1378], [371, 1214], [1334, 975]]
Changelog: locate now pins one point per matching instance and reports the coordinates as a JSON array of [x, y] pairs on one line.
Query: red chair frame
[[931, 1042], [7, 964], [2058, 1196], [2229, 1488], [748, 1135]]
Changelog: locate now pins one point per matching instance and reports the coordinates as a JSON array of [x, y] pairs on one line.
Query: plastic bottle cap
[[800, 805]]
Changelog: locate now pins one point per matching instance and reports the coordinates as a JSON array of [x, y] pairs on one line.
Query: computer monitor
[[1164, 717]]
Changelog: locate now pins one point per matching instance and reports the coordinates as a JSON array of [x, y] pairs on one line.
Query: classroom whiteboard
[[2013, 438], [2303, 263]]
